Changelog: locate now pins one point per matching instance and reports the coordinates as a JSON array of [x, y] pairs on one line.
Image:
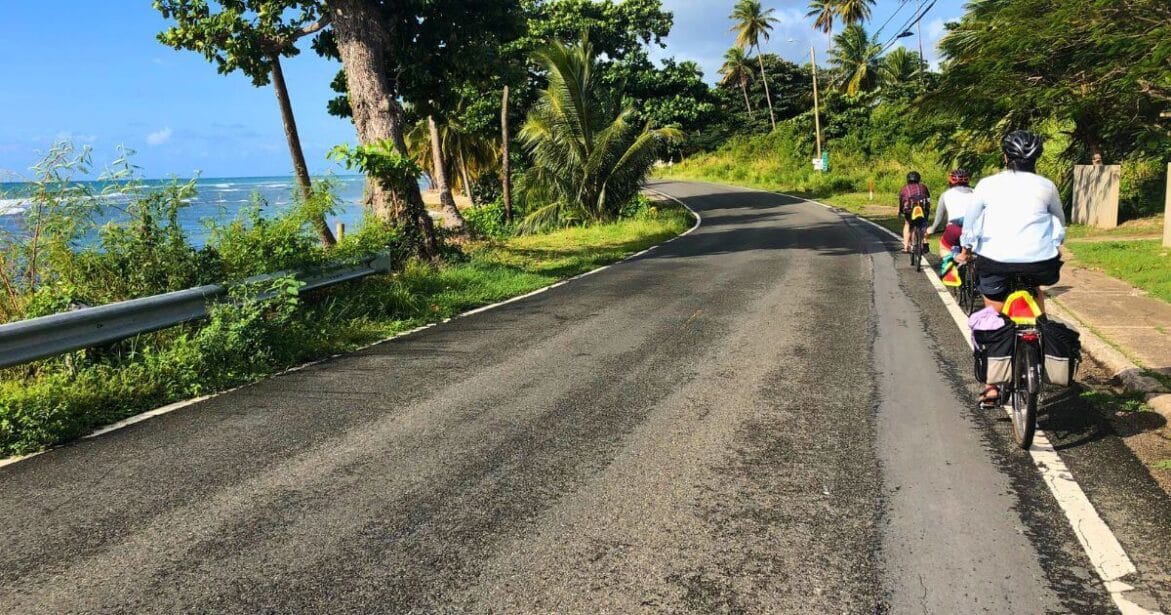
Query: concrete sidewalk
[[1122, 328], [1138, 325]]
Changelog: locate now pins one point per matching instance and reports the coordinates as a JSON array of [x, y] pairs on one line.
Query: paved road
[[763, 416]]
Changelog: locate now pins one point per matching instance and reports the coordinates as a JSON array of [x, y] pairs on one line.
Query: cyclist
[[1014, 226], [915, 193], [953, 205]]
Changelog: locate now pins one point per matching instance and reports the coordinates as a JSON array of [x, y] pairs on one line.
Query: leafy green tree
[[424, 46], [251, 36], [754, 24], [737, 70], [856, 61], [1088, 65], [670, 94], [589, 156], [617, 28]]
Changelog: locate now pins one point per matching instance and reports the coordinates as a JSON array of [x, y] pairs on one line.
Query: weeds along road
[[763, 416]]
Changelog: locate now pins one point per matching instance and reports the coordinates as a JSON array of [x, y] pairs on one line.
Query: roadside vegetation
[[576, 203], [244, 340]]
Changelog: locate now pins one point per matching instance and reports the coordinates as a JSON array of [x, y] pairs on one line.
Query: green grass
[[1149, 227], [60, 399], [883, 209], [1126, 403], [1144, 264]]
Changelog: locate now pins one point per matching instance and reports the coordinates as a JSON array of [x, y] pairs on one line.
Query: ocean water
[[216, 199]]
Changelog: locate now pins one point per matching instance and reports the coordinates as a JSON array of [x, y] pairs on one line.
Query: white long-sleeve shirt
[[1015, 217], [953, 205]]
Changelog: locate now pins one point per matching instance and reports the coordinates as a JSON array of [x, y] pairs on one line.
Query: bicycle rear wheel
[[1026, 391], [917, 248]]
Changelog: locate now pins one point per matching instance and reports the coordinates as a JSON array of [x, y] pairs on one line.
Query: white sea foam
[[221, 185], [12, 207]]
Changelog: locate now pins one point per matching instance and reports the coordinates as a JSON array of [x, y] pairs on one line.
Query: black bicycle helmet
[[1022, 145], [913, 177]]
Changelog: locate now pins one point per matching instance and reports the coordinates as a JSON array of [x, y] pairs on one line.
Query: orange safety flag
[[1022, 308], [951, 276]]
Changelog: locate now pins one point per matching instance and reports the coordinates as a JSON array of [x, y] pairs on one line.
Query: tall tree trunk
[[505, 163], [300, 169], [362, 42], [451, 216], [464, 177], [744, 90], [767, 96]]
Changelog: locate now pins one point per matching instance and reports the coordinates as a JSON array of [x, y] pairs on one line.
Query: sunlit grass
[[1144, 264]]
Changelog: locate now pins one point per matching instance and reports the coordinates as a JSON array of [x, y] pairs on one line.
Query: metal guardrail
[[39, 338]]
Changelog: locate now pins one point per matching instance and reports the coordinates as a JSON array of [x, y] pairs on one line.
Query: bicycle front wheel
[[968, 291], [1026, 389]]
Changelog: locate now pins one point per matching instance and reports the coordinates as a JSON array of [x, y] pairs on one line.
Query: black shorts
[[907, 218], [995, 277]]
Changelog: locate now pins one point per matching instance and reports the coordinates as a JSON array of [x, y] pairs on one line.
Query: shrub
[[488, 221]]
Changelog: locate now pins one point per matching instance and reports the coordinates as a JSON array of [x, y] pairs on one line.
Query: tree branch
[[315, 27]]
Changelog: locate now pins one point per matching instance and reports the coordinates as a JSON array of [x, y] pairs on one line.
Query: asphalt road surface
[[768, 415]]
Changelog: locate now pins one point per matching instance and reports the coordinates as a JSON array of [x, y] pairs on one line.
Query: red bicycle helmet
[[959, 177]]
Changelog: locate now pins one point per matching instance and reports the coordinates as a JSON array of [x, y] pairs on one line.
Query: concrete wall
[[1095, 195], [1167, 213]]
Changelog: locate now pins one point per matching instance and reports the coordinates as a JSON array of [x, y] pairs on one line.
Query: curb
[[1132, 377]]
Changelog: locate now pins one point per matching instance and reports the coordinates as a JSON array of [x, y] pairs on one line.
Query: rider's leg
[[906, 235]]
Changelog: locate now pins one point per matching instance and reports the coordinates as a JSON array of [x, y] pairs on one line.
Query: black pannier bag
[[1062, 347], [994, 354]]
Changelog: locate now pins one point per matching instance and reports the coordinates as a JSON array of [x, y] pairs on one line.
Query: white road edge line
[[150, 414], [1101, 546]]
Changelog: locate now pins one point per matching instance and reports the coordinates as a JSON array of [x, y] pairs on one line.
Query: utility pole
[[816, 106], [919, 28]]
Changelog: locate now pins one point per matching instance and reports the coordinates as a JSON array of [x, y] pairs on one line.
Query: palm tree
[[901, 65], [854, 11], [753, 24], [855, 60], [737, 70], [429, 150], [823, 13], [588, 155]]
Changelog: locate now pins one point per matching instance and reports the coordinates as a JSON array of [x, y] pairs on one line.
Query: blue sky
[[93, 72]]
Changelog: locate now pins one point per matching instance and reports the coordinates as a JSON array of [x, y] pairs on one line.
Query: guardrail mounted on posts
[[39, 338]]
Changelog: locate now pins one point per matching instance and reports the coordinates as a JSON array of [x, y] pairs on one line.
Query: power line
[[915, 19], [902, 4]]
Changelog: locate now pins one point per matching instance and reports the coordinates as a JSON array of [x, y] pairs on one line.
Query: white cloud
[[66, 135], [159, 137]]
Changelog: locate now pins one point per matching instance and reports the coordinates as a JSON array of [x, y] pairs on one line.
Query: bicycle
[[1028, 367], [917, 240], [967, 295]]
